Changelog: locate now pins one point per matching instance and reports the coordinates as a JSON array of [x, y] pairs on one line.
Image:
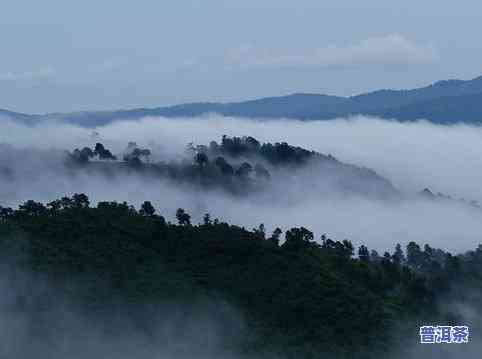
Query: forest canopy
[[301, 294]]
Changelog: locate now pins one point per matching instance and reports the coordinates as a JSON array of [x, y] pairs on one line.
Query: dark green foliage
[[276, 154], [297, 239], [299, 297], [239, 165]]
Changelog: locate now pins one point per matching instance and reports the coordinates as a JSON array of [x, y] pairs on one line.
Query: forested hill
[[241, 165], [444, 102], [301, 296]]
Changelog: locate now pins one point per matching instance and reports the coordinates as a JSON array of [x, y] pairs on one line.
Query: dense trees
[[297, 293], [239, 165], [298, 238], [103, 153], [83, 156]]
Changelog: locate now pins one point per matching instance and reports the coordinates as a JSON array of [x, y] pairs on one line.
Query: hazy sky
[[65, 55]]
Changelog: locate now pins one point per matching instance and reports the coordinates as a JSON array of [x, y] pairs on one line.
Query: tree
[[54, 207], [99, 148], [87, 152], [207, 219], [183, 218], [398, 255], [146, 153], [348, 248], [147, 209], [343, 249], [297, 238], [66, 202], [415, 258], [137, 153], [224, 166], [82, 156], [275, 236], [252, 143], [80, 200], [5, 213], [213, 147], [201, 159], [244, 170], [32, 208], [103, 153], [261, 172], [261, 231], [363, 254], [374, 256], [133, 161]]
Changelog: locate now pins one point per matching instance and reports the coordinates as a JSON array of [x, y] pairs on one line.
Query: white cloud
[[392, 49], [411, 155]]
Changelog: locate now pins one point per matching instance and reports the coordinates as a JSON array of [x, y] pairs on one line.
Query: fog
[[46, 319], [411, 155]]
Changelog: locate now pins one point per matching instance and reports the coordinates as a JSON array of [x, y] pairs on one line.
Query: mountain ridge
[[443, 102]]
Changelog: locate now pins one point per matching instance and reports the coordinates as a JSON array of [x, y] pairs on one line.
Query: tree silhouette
[[80, 200], [414, 255], [244, 170], [275, 237], [261, 172], [183, 218], [32, 208], [147, 209], [224, 166], [363, 254], [398, 255], [201, 159], [207, 219], [297, 238], [103, 153]]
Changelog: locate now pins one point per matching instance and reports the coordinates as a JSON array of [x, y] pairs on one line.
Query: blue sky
[[69, 56]]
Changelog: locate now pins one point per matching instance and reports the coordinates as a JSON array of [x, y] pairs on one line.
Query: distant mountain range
[[444, 102]]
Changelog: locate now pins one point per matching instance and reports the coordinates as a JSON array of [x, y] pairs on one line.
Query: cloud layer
[[412, 156]]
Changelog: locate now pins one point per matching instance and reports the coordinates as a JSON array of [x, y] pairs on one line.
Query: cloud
[[411, 155], [28, 75], [392, 49], [43, 318]]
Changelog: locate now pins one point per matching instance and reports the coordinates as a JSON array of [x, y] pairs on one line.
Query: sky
[[60, 56]]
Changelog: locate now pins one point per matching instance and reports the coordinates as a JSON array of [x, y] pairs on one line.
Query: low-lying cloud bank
[[411, 155], [47, 320]]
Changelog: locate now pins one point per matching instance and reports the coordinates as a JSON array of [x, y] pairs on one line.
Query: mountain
[[301, 106], [397, 98], [443, 110], [444, 102], [21, 117], [295, 296]]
